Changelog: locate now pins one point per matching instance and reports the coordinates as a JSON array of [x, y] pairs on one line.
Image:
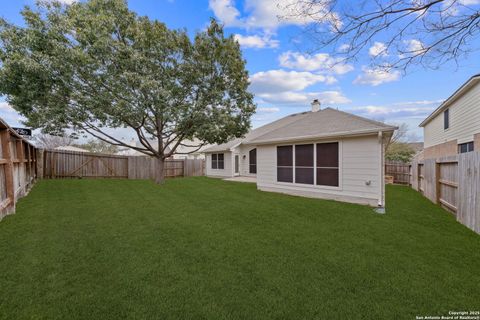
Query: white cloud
[[255, 41], [469, 2], [376, 111], [453, 7], [280, 80], [64, 1], [375, 77], [9, 115], [225, 11], [399, 110], [378, 49], [270, 14], [343, 48], [4, 106], [291, 97], [268, 110], [409, 112], [321, 62], [414, 46]]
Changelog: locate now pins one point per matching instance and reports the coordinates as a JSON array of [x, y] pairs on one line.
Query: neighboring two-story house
[[454, 127]]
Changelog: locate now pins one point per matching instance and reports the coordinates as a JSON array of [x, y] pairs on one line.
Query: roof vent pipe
[[315, 105]]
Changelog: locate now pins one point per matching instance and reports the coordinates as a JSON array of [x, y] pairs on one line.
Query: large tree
[[96, 65], [401, 33]]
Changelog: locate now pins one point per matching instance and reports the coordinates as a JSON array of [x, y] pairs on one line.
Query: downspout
[[381, 196]]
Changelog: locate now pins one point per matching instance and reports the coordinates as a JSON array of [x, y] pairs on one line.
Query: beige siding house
[[454, 127], [324, 153]]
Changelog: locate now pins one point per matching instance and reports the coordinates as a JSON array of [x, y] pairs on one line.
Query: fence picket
[[454, 183], [71, 164], [17, 163]]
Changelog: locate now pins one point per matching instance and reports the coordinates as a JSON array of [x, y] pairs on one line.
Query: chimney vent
[[315, 105]]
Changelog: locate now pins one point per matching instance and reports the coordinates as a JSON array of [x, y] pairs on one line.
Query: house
[[454, 127], [323, 153], [71, 148], [187, 150]]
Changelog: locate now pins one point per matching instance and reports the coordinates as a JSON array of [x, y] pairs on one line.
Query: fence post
[[419, 181], [39, 163], [437, 182], [5, 140], [410, 174]]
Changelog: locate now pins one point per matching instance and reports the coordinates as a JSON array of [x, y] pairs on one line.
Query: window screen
[[252, 158], [446, 119], [221, 163], [327, 164], [304, 164], [214, 161], [285, 163], [218, 161]]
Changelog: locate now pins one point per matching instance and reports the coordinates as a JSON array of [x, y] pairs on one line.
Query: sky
[[285, 78]]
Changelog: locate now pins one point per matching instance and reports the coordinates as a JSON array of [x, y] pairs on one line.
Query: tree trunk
[[160, 171]]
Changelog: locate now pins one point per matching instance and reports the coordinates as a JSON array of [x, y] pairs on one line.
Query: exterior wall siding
[[228, 168], [441, 150], [359, 161], [464, 121]]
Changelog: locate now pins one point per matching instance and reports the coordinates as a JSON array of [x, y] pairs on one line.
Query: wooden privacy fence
[[58, 164], [454, 183], [18, 169], [400, 171]]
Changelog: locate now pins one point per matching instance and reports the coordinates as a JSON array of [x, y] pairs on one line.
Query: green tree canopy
[[400, 151], [97, 65], [98, 146]]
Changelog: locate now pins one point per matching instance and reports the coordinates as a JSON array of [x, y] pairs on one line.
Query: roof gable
[[324, 123], [474, 80]]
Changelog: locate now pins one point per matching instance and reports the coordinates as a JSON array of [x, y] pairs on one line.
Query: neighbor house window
[[252, 160], [327, 164], [304, 163], [465, 147], [285, 163], [446, 119], [218, 161]]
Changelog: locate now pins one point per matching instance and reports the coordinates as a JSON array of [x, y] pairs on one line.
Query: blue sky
[[284, 78]]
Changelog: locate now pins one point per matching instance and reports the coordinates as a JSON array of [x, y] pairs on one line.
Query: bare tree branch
[[428, 33]]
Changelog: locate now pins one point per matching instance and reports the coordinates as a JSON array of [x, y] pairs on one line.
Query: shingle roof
[[306, 125]]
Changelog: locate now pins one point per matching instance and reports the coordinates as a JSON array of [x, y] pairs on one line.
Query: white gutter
[[381, 196]]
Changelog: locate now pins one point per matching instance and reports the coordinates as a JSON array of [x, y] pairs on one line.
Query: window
[[327, 164], [285, 163], [446, 119], [252, 160], [218, 161], [304, 163], [325, 169], [465, 147]]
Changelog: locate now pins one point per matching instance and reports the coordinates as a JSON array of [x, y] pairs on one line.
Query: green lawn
[[200, 248]]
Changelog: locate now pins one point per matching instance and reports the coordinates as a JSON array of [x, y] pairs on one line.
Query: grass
[[200, 248]]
